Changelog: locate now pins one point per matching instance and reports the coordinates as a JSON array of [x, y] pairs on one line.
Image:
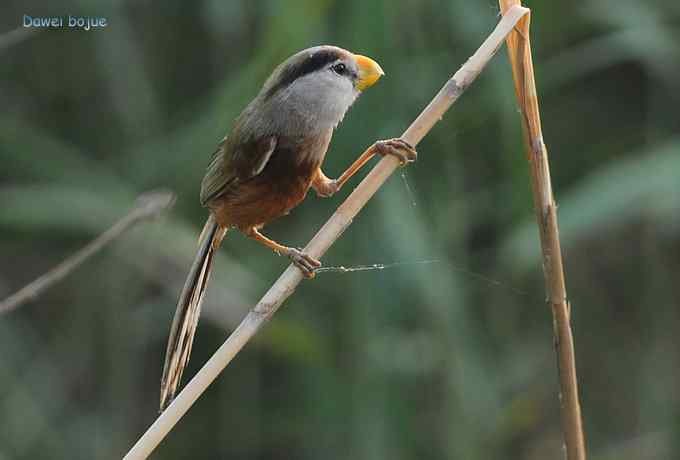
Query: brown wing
[[233, 163]]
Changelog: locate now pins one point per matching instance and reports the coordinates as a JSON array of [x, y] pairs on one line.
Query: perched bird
[[264, 167]]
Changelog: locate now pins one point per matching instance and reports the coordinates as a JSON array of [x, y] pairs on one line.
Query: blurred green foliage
[[446, 360]]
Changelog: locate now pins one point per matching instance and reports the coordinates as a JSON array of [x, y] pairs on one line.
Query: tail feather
[[188, 311]]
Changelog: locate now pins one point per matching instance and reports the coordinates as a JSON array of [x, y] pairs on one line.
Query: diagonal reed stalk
[[149, 205], [325, 237], [519, 50]]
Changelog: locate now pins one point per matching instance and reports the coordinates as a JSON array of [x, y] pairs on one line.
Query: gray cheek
[[313, 103]]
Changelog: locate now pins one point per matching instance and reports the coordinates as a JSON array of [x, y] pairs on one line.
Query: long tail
[[188, 311]]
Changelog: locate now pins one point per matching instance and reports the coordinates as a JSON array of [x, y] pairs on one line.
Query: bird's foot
[[328, 189], [397, 147], [306, 263]]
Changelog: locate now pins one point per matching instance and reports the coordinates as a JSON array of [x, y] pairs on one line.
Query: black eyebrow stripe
[[292, 72]]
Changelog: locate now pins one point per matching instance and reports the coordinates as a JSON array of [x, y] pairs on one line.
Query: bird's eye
[[339, 68]]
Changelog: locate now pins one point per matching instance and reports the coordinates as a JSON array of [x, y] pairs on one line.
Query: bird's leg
[[397, 147], [303, 261]]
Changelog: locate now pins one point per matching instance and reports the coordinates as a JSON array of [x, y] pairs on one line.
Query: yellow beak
[[369, 72]]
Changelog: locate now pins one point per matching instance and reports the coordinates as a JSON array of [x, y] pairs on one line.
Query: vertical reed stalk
[[519, 50]]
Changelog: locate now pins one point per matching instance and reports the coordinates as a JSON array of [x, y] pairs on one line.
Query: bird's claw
[[397, 147], [329, 189], [306, 263]]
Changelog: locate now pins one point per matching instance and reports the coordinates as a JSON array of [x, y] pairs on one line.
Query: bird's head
[[318, 85]]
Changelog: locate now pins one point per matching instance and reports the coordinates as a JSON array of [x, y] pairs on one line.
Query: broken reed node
[[325, 237]]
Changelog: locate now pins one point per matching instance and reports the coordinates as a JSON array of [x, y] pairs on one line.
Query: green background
[[452, 359]]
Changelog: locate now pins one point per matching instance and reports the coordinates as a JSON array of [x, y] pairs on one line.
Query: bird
[[265, 166]]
